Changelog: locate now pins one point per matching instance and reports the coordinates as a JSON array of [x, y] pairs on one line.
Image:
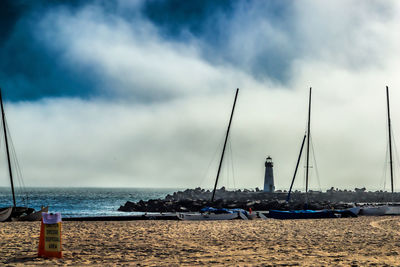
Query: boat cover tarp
[[222, 210], [301, 214], [240, 210], [346, 213], [214, 210]]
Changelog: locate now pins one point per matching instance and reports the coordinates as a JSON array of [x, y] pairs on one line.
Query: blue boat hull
[[301, 214]]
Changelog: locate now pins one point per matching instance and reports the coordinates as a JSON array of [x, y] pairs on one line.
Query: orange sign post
[[50, 236]]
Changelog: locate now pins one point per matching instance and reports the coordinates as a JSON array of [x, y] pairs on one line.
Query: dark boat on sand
[[302, 214]]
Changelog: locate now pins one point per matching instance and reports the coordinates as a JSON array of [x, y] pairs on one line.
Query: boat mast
[[308, 139], [390, 139], [297, 165], [223, 150], [8, 152]]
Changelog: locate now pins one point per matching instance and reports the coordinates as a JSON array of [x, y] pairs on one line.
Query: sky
[[138, 93]]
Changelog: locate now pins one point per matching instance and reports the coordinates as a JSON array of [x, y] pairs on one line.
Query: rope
[[385, 165], [233, 170], [15, 163], [396, 153], [315, 164], [304, 172], [225, 168], [228, 167], [218, 148]]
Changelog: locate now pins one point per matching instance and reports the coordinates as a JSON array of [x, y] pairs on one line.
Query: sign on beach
[[50, 236]]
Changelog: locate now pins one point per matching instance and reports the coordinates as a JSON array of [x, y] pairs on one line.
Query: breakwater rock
[[196, 205], [196, 199]]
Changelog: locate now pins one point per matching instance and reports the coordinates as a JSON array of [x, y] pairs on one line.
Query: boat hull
[[208, 216], [392, 210], [374, 210], [5, 214], [350, 212], [301, 214], [354, 210], [34, 216]]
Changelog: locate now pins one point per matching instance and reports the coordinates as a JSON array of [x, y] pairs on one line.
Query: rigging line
[[21, 183], [14, 157], [305, 169], [21, 188], [211, 161], [226, 166], [396, 152], [384, 171], [2, 139], [230, 162], [228, 175], [304, 158], [17, 172], [386, 162], [223, 149], [17, 189], [304, 173], [232, 165], [16, 163], [315, 164]]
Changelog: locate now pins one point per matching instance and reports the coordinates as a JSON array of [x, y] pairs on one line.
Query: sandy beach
[[355, 241]]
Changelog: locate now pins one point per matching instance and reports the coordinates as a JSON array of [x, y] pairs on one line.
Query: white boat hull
[[5, 214], [374, 210], [392, 210], [207, 216]]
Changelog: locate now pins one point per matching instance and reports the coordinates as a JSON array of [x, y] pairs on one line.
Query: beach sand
[[347, 241]]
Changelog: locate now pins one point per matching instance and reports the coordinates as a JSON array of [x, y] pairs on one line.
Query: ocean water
[[76, 202]]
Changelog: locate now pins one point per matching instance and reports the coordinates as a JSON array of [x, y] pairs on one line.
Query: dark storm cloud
[[216, 23], [28, 69], [31, 68], [178, 18]]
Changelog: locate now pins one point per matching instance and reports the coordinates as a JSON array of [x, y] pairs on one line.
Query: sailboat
[[389, 208], [306, 213], [15, 212], [209, 213]]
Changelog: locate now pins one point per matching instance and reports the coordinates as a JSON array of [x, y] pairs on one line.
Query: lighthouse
[[269, 176]]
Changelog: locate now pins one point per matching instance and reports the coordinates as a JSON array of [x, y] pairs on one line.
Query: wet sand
[[354, 241]]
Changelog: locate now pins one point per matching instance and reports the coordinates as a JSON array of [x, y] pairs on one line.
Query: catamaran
[[306, 213], [209, 213], [388, 208]]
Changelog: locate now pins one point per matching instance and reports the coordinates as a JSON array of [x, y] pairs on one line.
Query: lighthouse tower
[[269, 176]]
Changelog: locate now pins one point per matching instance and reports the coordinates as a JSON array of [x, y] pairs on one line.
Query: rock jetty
[[195, 199]]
